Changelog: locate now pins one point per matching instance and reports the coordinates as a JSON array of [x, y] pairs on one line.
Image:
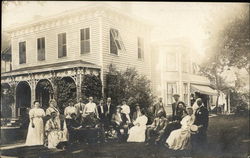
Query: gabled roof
[[72, 12]]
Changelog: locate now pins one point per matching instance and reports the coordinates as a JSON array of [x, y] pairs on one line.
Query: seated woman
[[180, 139], [120, 123], [180, 111], [53, 132], [137, 132], [60, 119]]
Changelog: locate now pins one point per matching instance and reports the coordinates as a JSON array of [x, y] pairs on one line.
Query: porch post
[[13, 105], [79, 79], [53, 81], [33, 91]]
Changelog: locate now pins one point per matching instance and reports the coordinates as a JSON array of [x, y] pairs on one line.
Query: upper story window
[[195, 68], [171, 62], [22, 52], [116, 43], [85, 41], [185, 65], [140, 44], [41, 49], [62, 46]]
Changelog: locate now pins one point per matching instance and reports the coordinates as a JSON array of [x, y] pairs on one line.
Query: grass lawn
[[228, 137]]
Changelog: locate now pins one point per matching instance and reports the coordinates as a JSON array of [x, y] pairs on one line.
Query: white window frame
[[140, 47], [90, 41]]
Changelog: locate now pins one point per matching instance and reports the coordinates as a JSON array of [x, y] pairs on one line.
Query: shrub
[[129, 85]]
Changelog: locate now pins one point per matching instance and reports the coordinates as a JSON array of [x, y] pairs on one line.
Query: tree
[[228, 48], [235, 42], [129, 85], [92, 86], [66, 92]]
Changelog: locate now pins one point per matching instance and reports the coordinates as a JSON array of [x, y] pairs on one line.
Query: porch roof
[[203, 89], [51, 67]]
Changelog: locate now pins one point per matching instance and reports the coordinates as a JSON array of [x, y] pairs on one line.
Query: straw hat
[[194, 128], [176, 95]]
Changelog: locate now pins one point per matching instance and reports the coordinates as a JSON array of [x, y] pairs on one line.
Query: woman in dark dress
[[180, 111]]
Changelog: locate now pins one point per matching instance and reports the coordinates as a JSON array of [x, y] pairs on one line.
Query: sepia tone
[[130, 61]]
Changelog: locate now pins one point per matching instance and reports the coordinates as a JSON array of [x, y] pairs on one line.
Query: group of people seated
[[172, 130]]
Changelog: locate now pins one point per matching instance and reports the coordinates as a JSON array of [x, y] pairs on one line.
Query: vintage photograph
[[106, 79]]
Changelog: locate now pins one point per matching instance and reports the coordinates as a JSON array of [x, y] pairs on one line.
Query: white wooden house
[[74, 43]]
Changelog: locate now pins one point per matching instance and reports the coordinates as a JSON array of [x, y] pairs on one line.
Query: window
[[85, 41], [140, 43], [62, 46], [22, 52], [171, 62], [41, 49], [171, 90], [116, 43], [195, 68], [184, 63], [185, 92]]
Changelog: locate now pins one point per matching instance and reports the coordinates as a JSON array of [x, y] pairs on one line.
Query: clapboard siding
[[129, 36], [99, 23], [51, 50]]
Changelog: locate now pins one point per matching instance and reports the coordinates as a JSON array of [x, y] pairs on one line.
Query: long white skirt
[[179, 139], [54, 138], [137, 134], [35, 135]]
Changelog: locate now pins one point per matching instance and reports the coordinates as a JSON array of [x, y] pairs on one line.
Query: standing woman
[[35, 134], [54, 109]]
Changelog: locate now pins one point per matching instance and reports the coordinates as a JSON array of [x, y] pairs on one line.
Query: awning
[[203, 89]]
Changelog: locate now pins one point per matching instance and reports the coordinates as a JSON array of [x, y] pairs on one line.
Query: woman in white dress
[[137, 132], [60, 121], [70, 110], [35, 134], [53, 132], [180, 139]]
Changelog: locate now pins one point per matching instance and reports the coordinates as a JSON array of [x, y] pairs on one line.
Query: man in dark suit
[[174, 105], [102, 109], [201, 120], [120, 124], [110, 109]]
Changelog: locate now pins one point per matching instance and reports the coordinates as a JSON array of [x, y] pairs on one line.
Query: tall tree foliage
[[228, 49], [235, 42], [129, 85], [92, 86], [66, 92]]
